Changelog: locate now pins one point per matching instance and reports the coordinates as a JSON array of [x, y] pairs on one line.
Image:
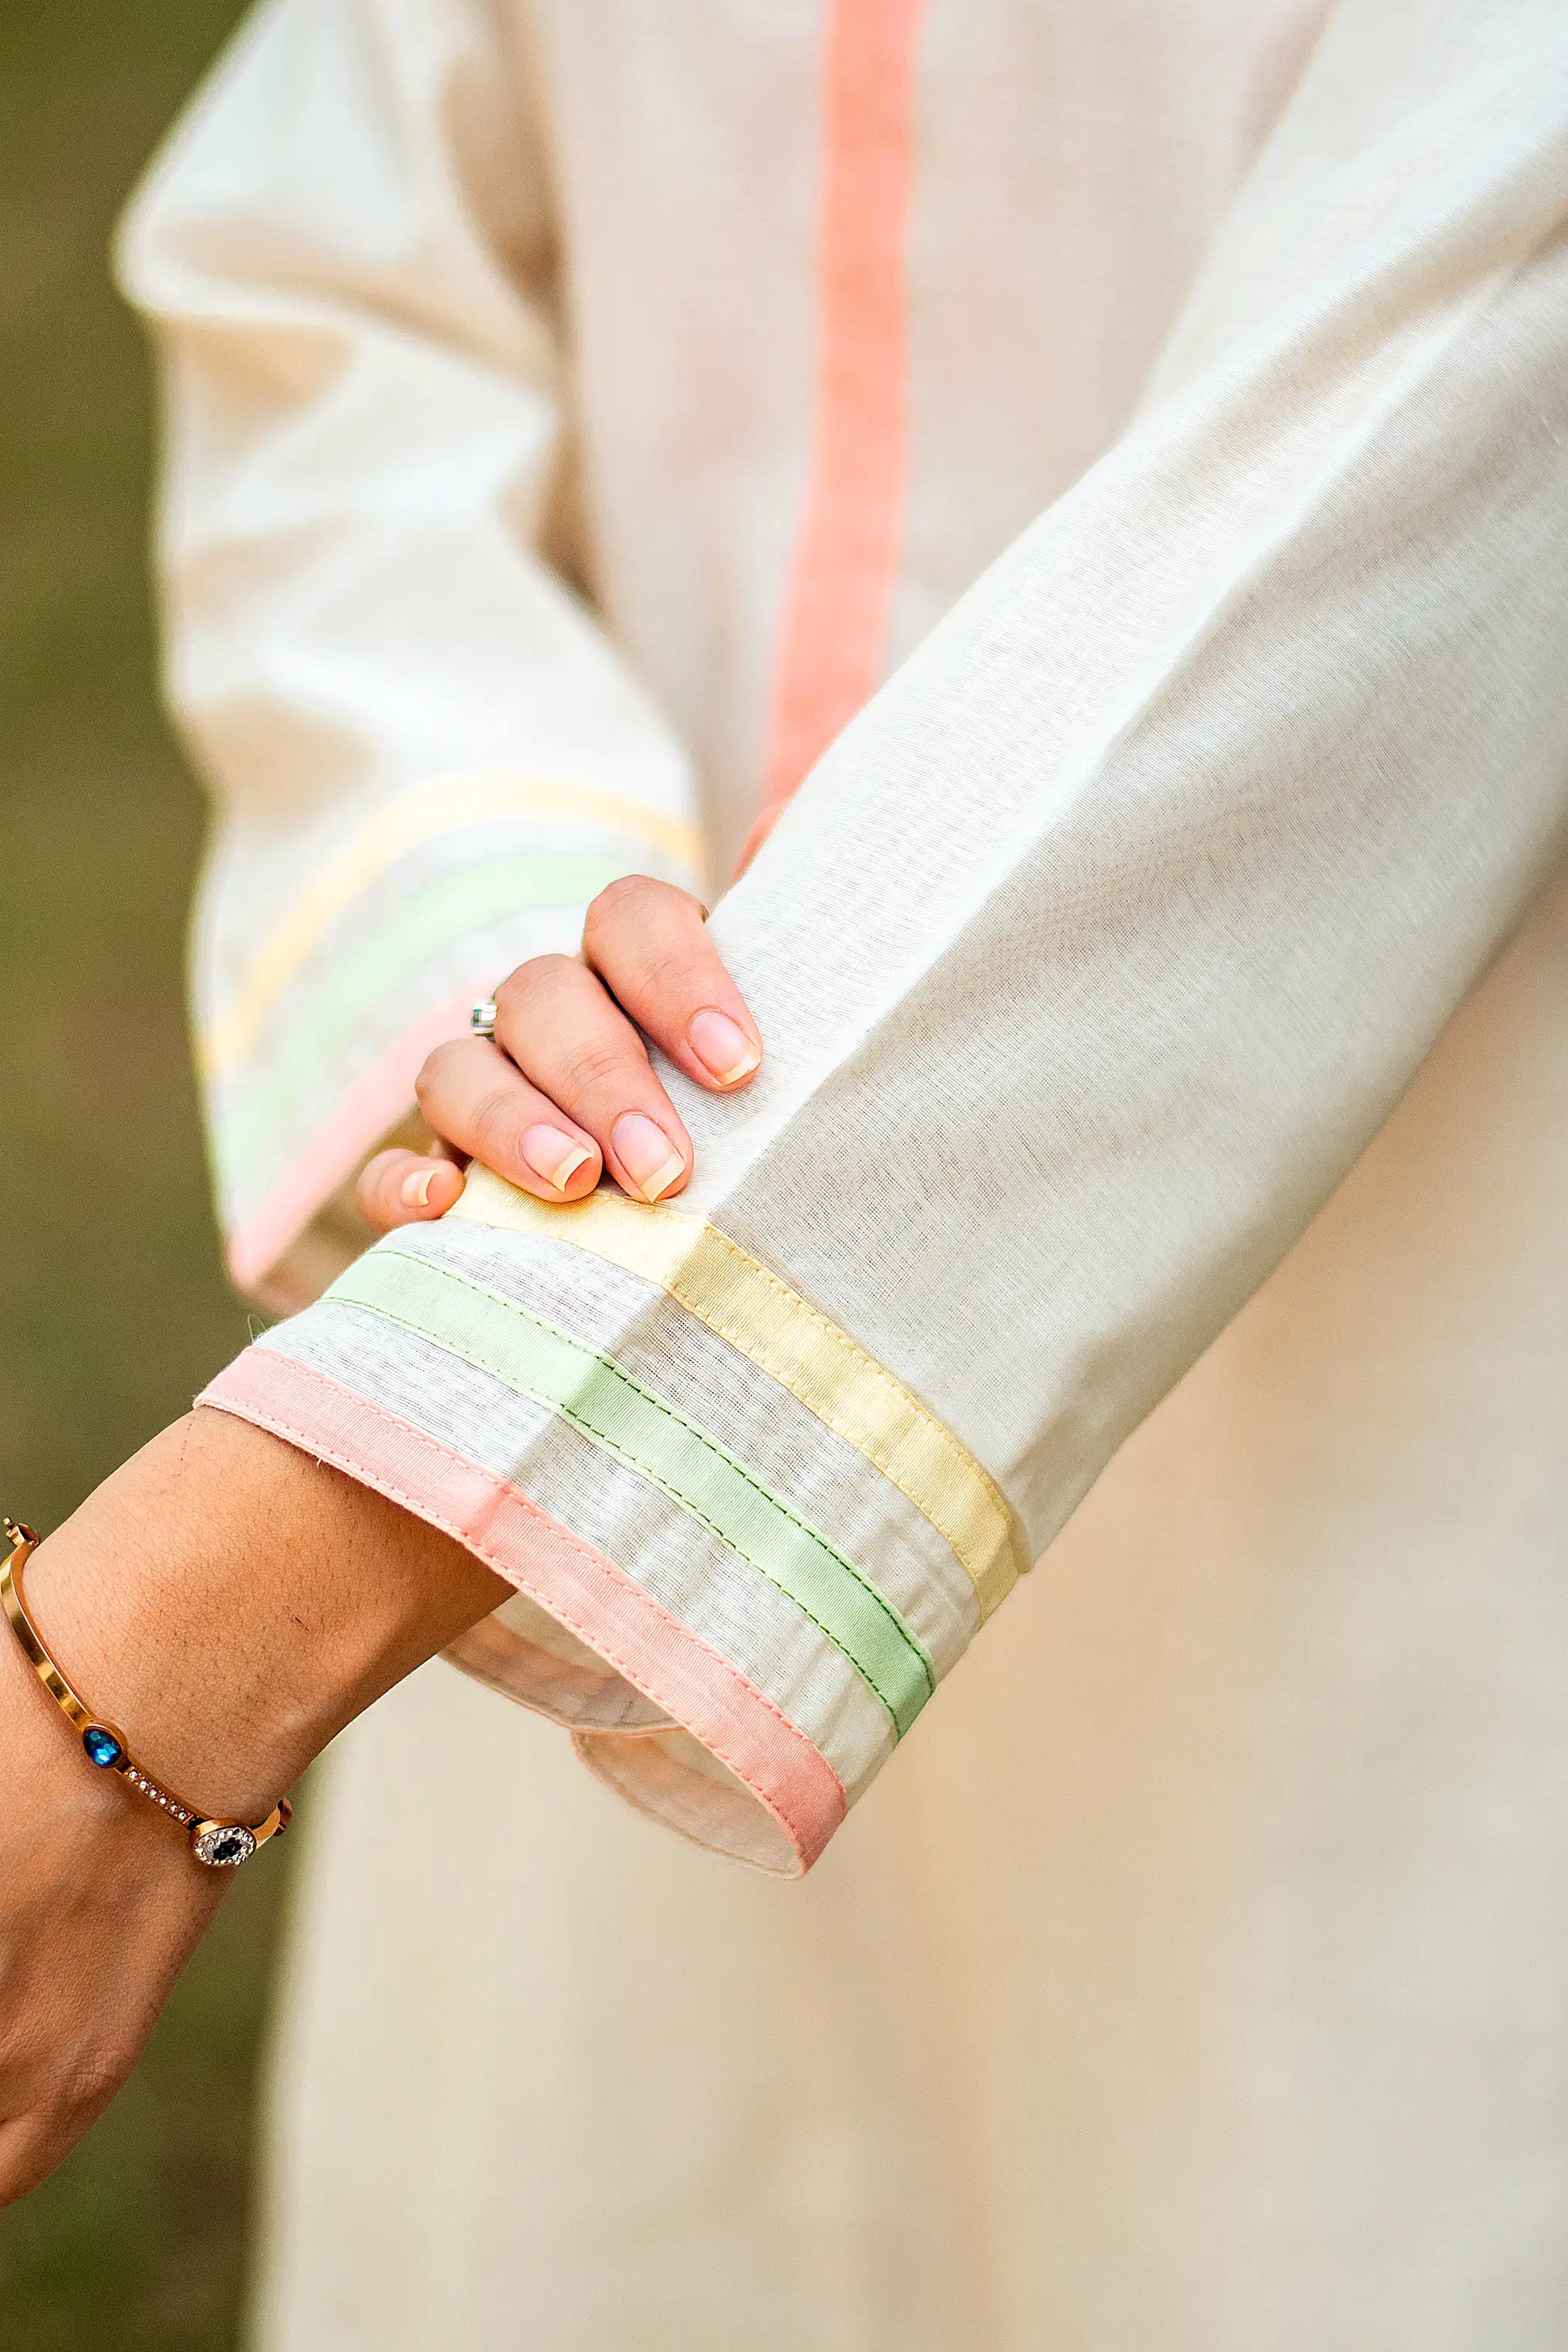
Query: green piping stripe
[[444, 910], [595, 1394]]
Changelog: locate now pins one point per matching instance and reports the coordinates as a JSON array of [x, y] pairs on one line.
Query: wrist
[[230, 1604], [71, 1823]]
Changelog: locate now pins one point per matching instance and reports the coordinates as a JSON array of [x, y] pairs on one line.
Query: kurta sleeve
[[1088, 960], [426, 756]]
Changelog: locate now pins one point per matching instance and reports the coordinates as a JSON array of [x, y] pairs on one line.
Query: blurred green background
[[112, 1306]]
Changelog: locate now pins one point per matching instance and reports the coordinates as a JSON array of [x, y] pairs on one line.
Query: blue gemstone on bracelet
[[103, 1747]]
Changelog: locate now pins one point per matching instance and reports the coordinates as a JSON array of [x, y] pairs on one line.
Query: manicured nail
[[552, 1155], [722, 1047], [644, 1152], [416, 1188]]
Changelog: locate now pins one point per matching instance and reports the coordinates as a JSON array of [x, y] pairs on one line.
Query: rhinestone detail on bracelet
[[182, 1813], [223, 1845]]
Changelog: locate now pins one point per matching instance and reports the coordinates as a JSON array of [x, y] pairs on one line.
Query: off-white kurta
[[577, 411]]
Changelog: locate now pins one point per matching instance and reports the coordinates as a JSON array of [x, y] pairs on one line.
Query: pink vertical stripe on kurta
[[838, 597]]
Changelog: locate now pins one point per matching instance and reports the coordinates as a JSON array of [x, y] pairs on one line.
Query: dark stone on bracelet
[[103, 1747], [223, 1844]]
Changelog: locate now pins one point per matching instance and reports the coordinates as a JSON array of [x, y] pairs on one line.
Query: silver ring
[[482, 1019]]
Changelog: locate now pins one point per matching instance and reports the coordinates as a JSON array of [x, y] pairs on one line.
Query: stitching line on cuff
[[673, 1412], [512, 1378], [601, 1208], [593, 1636]]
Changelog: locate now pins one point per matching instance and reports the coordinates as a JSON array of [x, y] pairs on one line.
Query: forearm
[[231, 1603]]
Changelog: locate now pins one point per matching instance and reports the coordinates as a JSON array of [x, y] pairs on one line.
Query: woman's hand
[[567, 1090], [101, 1907], [231, 1603]]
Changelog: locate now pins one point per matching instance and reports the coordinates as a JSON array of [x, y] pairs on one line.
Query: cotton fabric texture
[[1116, 458]]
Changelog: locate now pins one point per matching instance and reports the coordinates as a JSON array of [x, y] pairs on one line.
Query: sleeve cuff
[[385, 932], [744, 1553]]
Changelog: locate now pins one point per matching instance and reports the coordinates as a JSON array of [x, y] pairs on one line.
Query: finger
[[649, 944], [563, 1032], [400, 1188], [475, 1099]]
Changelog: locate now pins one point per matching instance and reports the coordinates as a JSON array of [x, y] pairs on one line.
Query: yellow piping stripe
[[726, 1288], [444, 804]]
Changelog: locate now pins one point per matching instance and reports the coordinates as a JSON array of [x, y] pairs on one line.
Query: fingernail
[[416, 1188], [644, 1152], [722, 1047], [552, 1155]]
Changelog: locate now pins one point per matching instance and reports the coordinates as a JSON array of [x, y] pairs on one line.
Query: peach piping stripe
[[838, 597], [579, 1587]]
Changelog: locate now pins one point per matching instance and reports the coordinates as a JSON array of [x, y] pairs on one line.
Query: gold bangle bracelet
[[220, 1845]]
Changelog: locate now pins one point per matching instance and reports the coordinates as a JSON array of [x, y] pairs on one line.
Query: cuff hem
[[596, 1601]]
